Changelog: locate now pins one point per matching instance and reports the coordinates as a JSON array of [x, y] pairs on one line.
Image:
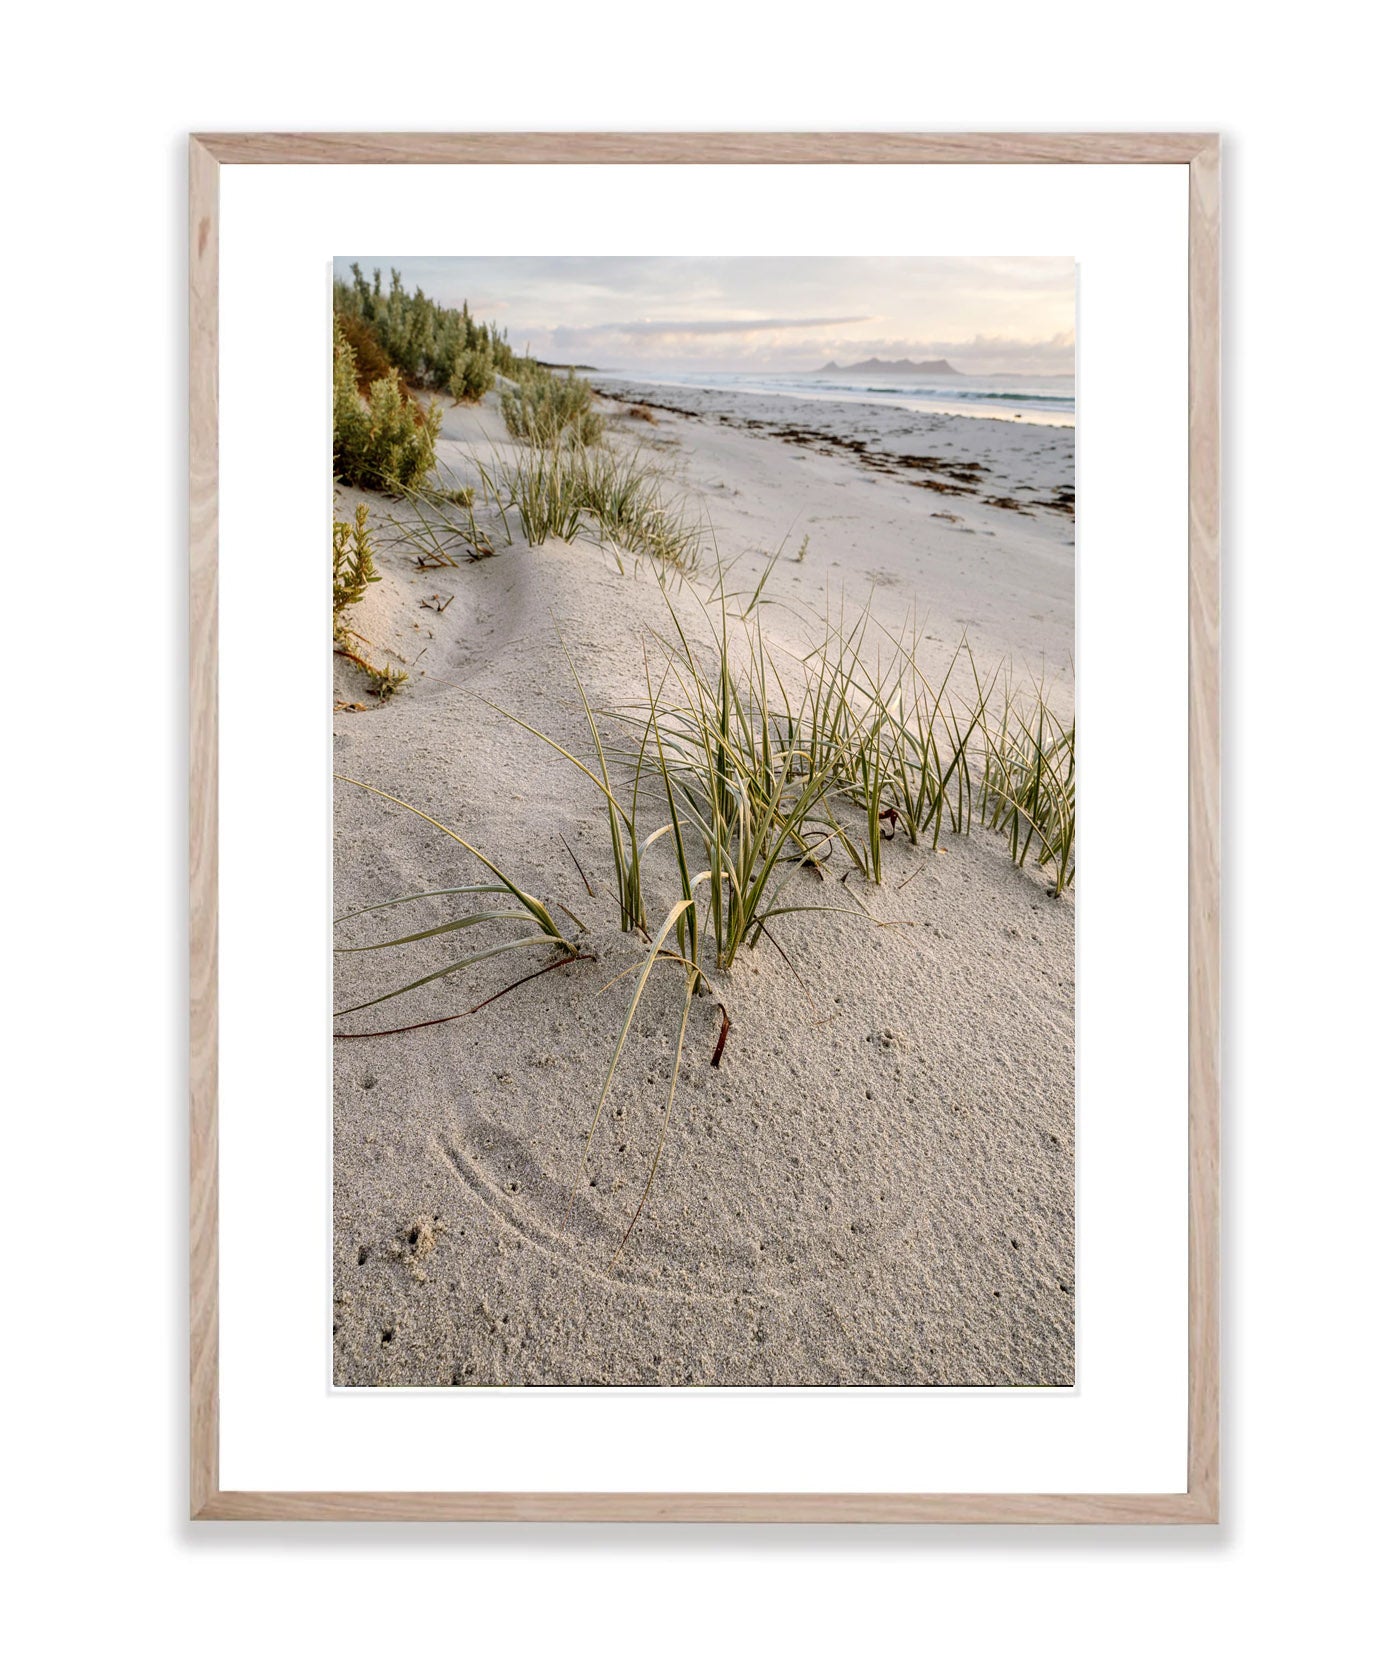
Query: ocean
[[1047, 399]]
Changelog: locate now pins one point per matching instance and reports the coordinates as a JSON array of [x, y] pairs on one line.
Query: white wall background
[[97, 105]]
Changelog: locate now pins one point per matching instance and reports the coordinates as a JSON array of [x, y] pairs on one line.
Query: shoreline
[[1005, 411]]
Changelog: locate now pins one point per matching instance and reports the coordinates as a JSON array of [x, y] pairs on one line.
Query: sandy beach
[[876, 1184]]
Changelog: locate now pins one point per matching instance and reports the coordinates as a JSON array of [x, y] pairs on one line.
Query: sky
[[763, 314]]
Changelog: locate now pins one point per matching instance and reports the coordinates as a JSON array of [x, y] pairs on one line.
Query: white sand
[[877, 1184]]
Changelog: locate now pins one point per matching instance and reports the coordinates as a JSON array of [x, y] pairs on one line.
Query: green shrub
[[371, 363], [473, 375], [352, 572], [545, 411], [384, 443], [352, 563], [425, 341]]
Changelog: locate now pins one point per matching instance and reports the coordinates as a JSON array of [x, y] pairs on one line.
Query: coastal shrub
[[425, 341], [473, 374], [352, 573], [371, 363], [352, 563], [382, 442], [544, 410]]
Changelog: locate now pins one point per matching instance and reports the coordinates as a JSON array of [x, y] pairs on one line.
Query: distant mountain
[[876, 365]]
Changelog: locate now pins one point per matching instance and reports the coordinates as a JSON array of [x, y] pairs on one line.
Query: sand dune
[[876, 1185]]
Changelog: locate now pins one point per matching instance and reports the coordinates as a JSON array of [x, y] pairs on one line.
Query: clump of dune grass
[[931, 744], [628, 846], [905, 747], [527, 909], [1028, 786], [843, 724], [543, 487], [627, 501], [922, 755], [937, 731], [755, 767], [746, 798], [438, 522], [560, 491], [544, 410]]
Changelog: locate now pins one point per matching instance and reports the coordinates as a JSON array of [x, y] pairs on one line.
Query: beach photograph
[[703, 744]]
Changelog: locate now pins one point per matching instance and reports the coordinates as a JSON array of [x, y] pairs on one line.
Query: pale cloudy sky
[[729, 314]]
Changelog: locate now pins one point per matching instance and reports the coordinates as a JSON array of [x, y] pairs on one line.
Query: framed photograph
[[665, 1045]]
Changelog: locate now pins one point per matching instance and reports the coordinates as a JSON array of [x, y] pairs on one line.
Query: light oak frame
[[1200, 154]]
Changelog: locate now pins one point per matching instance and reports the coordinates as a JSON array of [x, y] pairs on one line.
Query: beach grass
[[628, 501], [559, 490], [528, 909], [753, 774], [1028, 787], [743, 793], [747, 762], [546, 411], [543, 487], [628, 845], [438, 523]]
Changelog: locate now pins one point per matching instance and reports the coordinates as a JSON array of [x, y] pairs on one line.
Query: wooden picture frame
[[1200, 154]]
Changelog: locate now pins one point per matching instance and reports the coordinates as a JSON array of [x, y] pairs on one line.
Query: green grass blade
[[648, 963], [452, 968]]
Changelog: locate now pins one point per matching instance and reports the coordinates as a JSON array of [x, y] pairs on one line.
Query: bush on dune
[[383, 441], [473, 375], [430, 345], [352, 564], [352, 573], [371, 363]]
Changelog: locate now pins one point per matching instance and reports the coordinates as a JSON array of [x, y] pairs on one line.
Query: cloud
[[792, 313], [770, 323]]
